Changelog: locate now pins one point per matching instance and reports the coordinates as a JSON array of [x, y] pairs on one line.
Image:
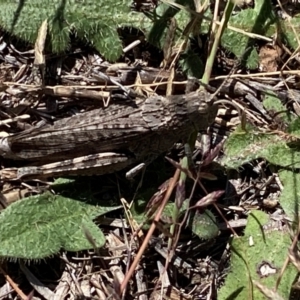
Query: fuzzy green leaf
[[289, 29], [262, 20], [257, 20], [271, 102], [93, 21], [294, 127], [267, 253], [242, 147], [39, 226], [204, 225], [290, 196]]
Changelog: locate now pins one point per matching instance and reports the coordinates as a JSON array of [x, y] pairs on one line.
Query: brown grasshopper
[[109, 139]]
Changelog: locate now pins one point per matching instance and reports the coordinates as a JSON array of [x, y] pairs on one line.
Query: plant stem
[[212, 54]]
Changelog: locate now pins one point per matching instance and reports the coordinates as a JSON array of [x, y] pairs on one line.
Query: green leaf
[[161, 16], [262, 20], [289, 29], [290, 196], [39, 226], [93, 21], [191, 64], [272, 103], [268, 252], [294, 127], [204, 225], [242, 147], [257, 20], [138, 212]]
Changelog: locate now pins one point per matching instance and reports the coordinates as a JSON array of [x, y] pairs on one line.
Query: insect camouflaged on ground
[[108, 139]]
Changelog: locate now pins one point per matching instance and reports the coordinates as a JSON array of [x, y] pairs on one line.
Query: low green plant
[[262, 20], [280, 148], [93, 21], [97, 22], [203, 224], [40, 226], [258, 256]]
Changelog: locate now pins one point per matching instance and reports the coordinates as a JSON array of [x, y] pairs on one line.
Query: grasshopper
[[109, 139]]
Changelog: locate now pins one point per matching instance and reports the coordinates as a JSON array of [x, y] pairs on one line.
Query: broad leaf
[[94, 21], [39, 226], [259, 255]]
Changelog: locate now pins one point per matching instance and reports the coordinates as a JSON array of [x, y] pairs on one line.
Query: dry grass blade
[[150, 231], [39, 57], [269, 293]]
